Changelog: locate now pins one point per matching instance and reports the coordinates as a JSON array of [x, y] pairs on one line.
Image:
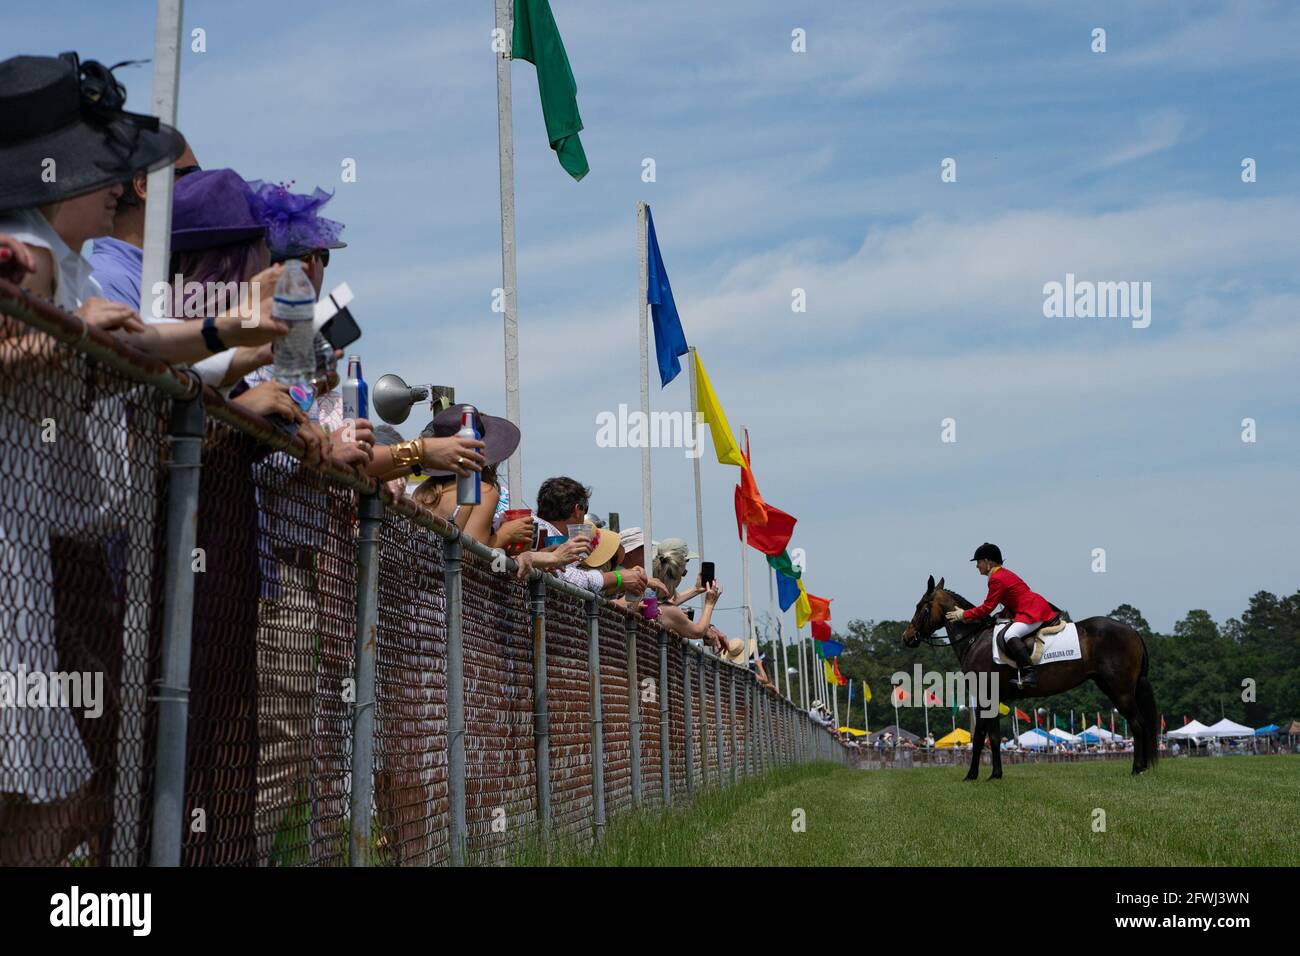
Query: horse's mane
[[961, 601]]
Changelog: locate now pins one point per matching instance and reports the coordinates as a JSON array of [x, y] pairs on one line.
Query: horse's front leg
[[995, 745], [977, 747]]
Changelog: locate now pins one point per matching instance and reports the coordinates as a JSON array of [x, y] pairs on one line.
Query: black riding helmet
[[990, 551]]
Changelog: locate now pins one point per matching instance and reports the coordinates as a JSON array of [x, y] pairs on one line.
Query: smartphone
[[690, 614], [341, 330], [706, 573]]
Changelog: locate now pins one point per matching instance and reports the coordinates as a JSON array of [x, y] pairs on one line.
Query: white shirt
[[73, 283]]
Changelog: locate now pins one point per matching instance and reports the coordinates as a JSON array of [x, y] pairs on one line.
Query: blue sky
[[821, 171]]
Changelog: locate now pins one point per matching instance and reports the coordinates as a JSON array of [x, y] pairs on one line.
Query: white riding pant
[[1018, 629]]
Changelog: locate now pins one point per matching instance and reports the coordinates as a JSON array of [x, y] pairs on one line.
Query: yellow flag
[[830, 674], [802, 609], [866, 692], [724, 443], [1003, 709]]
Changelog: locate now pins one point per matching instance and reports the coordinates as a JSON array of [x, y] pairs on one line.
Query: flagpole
[[695, 464], [509, 279], [776, 633], [644, 307], [926, 701], [837, 709], [848, 707], [803, 670], [744, 569]]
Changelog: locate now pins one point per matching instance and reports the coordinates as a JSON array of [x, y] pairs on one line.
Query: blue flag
[[787, 591], [670, 340]]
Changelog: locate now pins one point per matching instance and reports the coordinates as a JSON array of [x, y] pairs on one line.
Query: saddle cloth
[[1063, 645]]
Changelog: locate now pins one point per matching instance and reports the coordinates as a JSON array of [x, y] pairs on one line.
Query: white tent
[[1194, 729], [1033, 739], [1063, 736], [1226, 728], [1095, 733]]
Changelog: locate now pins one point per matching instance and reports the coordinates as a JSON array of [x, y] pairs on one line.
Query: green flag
[[537, 40], [782, 564]]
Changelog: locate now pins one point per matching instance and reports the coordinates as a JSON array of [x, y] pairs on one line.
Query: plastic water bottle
[[356, 393], [469, 490], [295, 354]]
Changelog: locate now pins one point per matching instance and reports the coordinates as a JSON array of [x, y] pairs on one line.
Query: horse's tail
[[1146, 705]]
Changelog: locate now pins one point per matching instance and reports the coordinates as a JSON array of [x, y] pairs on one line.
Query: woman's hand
[[15, 259], [658, 586], [352, 446], [111, 316], [956, 614], [271, 398], [515, 532], [712, 593], [460, 456]]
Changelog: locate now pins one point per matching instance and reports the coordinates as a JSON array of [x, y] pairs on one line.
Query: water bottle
[[295, 354], [469, 490], [356, 393]]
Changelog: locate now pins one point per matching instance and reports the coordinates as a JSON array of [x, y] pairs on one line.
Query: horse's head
[[928, 616]]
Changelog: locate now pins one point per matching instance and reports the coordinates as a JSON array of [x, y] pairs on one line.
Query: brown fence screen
[[275, 690]]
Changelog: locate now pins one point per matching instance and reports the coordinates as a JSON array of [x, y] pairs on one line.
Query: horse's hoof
[[995, 776], [969, 778]]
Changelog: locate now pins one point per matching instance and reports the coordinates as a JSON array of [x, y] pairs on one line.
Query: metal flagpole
[[848, 707], [509, 282], [926, 701], [803, 671], [644, 306], [776, 631], [836, 698], [699, 450], [744, 570]]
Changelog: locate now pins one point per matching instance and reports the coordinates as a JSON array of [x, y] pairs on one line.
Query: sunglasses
[[182, 171], [322, 254]]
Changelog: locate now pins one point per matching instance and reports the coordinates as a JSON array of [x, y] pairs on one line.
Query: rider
[[1029, 611]]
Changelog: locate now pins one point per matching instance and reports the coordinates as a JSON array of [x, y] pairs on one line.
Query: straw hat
[[736, 651], [604, 546]]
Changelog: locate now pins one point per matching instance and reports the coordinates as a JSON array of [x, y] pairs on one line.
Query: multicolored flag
[[828, 650], [802, 611], [536, 39]]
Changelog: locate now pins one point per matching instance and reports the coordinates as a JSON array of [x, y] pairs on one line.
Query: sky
[[778, 170]]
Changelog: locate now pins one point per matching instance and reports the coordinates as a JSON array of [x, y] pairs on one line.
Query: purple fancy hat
[[212, 207], [294, 226]]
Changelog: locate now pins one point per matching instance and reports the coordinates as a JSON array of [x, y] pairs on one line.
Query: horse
[[1112, 654]]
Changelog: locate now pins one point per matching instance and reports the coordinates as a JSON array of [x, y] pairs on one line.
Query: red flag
[[773, 537], [1162, 723], [932, 698], [821, 631], [900, 695], [835, 668], [820, 608], [1022, 715]]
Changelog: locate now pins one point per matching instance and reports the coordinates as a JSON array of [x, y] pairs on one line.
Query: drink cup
[[513, 514]]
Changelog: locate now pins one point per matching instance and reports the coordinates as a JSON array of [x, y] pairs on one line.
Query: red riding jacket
[[1007, 588]]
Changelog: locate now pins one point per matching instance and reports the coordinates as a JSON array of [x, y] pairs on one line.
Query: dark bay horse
[[1113, 655]]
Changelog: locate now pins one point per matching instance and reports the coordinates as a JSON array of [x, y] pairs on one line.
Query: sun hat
[[59, 110], [500, 435], [633, 538], [605, 546], [293, 225], [212, 207], [736, 651]]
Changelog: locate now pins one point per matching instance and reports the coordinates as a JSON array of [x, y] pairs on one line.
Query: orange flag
[[750, 505], [821, 608], [840, 678]]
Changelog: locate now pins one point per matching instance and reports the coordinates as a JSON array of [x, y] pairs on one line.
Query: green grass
[[1201, 812]]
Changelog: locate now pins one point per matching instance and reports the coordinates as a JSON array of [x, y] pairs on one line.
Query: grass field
[[1211, 812]]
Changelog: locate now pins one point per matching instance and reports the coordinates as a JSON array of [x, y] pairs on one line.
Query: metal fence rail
[[293, 668]]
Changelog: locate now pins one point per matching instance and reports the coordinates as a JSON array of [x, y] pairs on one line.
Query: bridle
[[929, 635]]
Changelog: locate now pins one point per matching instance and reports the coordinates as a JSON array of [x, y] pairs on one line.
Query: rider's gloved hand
[[956, 614]]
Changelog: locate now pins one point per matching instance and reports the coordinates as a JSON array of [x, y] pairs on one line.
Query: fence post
[[173, 693], [717, 718], [451, 570], [688, 728], [370, 511], [665, 757], [701, 661], [633, 708], [541, 714], [751, 730], [731, 722], [597, 728]]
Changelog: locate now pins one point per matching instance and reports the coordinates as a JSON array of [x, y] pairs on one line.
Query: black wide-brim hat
[[63, 131], [500, 435]]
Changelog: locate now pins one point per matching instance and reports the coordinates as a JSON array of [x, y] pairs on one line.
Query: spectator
[[45, 117], [671, 558], [563, 501]]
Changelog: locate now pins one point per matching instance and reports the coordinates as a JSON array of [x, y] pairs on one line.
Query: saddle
[[1036, 642]]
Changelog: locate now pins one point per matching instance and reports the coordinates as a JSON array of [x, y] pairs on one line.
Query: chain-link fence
[[212, 654]]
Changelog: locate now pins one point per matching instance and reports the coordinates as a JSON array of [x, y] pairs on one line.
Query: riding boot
[[1026, 678]]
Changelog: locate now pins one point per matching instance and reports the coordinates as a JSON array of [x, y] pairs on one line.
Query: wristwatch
[[211, 337]]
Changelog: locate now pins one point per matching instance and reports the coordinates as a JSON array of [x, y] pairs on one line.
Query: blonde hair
[[671, 556]]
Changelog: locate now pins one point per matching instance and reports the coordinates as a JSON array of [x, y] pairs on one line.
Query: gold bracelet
[[408, 453]]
